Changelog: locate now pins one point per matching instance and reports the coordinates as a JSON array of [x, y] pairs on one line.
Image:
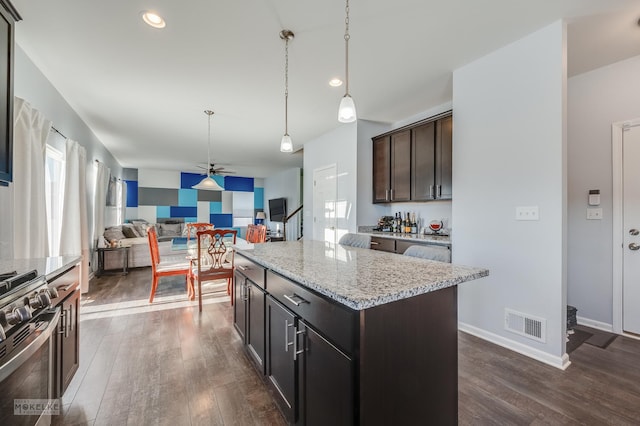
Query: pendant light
[[347, 109], [286, 145], [208, 183]]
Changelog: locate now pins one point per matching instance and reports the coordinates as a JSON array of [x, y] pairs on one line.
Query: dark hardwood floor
[[165, 363]]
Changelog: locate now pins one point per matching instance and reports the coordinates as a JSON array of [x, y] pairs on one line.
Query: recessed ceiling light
[[335, 82], [153, 19]]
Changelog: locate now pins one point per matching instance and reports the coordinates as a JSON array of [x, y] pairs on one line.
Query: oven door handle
[[14, 363]]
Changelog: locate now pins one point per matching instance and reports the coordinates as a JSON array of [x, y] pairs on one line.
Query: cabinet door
[[401, 166], [381, 169], [423, 186], [239, 305], [69, 343], [326, 381], [255, 323], [444, 158], [281, 365], [383, 244]]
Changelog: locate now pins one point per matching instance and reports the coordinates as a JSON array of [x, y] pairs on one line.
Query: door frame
[[617, 130]]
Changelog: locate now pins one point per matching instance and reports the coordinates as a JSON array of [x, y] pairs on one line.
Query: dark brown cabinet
[[249, 317], [313, 379], [8, 16], [393, 245], [414, 163], [69, 357]]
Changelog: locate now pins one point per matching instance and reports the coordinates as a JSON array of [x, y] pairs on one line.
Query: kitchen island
[[351, 336]]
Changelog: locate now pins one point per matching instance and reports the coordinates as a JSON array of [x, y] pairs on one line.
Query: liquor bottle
[[414, 224], [407, 228], [394, 224]]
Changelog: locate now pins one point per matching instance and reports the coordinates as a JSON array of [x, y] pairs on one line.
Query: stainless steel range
[[28, 322]]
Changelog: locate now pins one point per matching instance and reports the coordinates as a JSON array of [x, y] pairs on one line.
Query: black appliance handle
[[18, 359]]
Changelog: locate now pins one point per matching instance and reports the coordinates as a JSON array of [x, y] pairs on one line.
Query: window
[[54, 188]]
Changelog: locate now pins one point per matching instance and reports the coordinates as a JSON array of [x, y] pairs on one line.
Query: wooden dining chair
[[165, 269], [214, 260], [256, 233], [195, 227]]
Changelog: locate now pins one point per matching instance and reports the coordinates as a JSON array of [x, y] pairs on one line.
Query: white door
[[324, 204], [631, 229]]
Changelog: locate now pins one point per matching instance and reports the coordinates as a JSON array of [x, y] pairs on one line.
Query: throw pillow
[[129, 231], [114, 233], [141, 228], [171, 229]]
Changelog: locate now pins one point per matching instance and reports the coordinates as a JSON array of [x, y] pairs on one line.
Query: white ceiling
[[143, 91]]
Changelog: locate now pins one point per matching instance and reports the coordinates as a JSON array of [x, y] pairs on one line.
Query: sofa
[[134, 236]]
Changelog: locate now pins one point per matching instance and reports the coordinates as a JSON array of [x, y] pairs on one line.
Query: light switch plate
[[594, 214], [527, 213]]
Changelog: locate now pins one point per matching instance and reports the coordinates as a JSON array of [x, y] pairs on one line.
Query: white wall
[[595, 100], [31, 85], [339, 147], [286, 184], [509, 150]]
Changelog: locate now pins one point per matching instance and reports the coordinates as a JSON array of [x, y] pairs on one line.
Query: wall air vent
[[525, 325]]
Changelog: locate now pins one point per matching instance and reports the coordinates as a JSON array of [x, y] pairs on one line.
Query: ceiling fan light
[[208, 184], [347, 110], [286, 145]]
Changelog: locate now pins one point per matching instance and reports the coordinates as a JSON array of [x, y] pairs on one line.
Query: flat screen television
[[277, 209]]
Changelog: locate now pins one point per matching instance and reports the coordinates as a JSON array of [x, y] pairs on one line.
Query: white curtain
[[75, 232], [31, 130], [99, 202]]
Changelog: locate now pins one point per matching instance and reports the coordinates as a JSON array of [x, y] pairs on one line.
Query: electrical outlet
[[594, 214], [527, 213]]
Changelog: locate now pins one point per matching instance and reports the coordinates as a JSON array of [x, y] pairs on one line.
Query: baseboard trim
[[595, 324], [558, 362]]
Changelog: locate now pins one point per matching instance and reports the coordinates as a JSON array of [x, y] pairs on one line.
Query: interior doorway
[[626, 227], [325, 190]]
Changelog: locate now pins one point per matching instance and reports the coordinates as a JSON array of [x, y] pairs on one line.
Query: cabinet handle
[[247, 289], [431, 191], [439, 191], [297, 302], [374, 243], [71, 321], [297, 352], [386, 195], [286, 335], [63, 326], [242, 268]]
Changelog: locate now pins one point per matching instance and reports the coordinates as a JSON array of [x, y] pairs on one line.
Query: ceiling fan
[[213, 170]]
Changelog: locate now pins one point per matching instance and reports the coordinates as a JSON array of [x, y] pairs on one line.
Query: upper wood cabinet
[[414, 163], [8, 16]]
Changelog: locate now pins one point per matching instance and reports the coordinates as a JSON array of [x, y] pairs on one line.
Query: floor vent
[[525, 325]]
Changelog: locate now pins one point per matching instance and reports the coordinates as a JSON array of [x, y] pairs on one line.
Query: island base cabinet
[[248, 317], [281, 361], [325, 381]]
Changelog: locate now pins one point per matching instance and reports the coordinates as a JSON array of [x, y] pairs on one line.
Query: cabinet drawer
[[249, 269], [384, 244], [336, 322]]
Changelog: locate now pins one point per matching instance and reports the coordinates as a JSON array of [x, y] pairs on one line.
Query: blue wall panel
[[236, 183], [177, 211], [190, 220], [187, 197], [222, 220], [163, 211], [258, 198], [132, 193], [187, 180], [215, 207]]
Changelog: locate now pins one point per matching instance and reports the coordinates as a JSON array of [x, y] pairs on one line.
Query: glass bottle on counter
[[414, 224], [407, 228]]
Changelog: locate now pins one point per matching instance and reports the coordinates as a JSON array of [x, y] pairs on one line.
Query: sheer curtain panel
[[99, 202], [31, 130], [75, 231]]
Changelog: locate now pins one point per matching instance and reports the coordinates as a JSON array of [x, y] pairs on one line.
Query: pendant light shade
[[208, 183], [286, 144], [347, 108]]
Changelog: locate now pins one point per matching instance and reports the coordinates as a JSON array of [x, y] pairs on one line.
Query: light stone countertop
[[358, 278], [443, 240], [48, 266]]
